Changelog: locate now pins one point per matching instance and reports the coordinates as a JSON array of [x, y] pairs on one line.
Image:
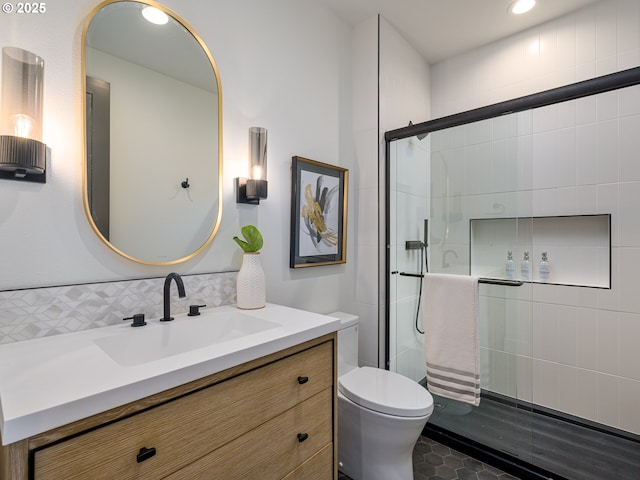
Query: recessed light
[[154, 15], [521, 6]]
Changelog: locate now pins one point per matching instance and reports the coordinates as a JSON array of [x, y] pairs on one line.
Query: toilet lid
[[386, 392]]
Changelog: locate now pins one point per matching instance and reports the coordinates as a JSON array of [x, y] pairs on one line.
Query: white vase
[[250, 284]]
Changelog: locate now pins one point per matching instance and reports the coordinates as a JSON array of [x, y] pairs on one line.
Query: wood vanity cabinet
[[271, 418]]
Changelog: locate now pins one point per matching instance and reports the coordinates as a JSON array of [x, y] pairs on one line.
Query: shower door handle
[[415, 275], [488, 281], [497, 281]]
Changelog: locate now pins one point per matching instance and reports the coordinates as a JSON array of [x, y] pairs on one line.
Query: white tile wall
[[573, 349]]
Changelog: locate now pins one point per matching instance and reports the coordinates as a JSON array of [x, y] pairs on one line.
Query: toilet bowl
[[380, 414]]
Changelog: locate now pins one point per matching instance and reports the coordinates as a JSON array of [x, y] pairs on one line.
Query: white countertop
[[49, 382]]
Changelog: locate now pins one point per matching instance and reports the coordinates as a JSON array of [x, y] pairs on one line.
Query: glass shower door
[[409, 212], [461, 180]]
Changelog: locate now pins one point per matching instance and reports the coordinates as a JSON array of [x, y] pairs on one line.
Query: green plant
[[252, 239]]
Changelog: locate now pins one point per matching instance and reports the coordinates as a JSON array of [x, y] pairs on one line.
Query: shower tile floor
[[434, 461], [569, 450]]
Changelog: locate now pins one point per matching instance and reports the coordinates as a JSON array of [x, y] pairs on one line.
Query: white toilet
[[380, 414]]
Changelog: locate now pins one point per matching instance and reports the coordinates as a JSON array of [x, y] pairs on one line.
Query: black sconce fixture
[[22, 153], [251, 190]]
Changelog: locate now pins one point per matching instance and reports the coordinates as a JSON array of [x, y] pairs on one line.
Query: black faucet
[[167, 290]]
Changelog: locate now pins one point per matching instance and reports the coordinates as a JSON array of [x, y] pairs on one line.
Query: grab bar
[[487, 281]]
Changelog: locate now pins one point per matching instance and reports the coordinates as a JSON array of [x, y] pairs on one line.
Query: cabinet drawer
[[190, 427], [318, 467], [273, 449]]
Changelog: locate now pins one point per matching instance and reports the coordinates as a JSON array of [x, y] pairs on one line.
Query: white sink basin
[[53, 381], [136, 346]]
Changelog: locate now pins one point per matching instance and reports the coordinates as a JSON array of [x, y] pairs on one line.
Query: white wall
[[284, 65], [365, 195], [404, 81], [568, 348]]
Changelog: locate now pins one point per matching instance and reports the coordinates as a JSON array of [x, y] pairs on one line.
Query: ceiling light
[[521, 6], [154, 15]]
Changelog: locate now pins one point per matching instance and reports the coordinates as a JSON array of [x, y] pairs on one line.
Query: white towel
[[450, 317]]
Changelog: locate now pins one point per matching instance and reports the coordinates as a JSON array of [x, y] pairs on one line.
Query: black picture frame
[[318, 213]]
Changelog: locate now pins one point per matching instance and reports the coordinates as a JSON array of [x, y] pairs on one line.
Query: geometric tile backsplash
[[40, 312]]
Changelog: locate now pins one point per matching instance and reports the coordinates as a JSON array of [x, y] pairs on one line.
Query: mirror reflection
[[152, 134]]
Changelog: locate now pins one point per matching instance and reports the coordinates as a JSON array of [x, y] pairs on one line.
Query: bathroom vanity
[[259, 405]]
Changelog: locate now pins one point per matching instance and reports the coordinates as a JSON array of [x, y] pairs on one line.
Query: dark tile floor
[[434, 461], [569, 448]]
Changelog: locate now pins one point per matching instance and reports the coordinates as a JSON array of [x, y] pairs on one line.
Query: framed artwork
[[318, 213]]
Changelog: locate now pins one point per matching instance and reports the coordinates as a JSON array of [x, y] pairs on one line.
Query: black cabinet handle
[[302, 437], [145, 454], [302, 380]]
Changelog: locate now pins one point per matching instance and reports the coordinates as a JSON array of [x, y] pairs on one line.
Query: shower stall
[[538, 197]]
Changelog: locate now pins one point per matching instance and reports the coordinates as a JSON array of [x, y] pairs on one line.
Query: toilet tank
[[347, 342]]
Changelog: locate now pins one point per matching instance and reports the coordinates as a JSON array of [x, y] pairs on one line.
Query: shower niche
[[578, 249]]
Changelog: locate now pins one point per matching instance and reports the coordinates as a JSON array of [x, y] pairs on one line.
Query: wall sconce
[[251, 190], [22, 153]]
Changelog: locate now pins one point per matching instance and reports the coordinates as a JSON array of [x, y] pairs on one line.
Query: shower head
[[420, 136]]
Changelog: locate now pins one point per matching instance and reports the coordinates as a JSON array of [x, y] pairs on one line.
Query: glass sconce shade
[[252, 189], [258, 153], [22, 78], [257, 183], [21, 147]]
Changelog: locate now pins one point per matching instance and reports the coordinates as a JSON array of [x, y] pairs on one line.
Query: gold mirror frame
[[87, 209]]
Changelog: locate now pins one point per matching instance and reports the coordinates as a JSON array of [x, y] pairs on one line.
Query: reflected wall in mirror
[[153, 134]]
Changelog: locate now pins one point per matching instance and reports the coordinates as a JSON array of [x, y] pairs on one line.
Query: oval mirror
[[153, 120]]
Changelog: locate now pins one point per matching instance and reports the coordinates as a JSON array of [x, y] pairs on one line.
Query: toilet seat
[[386, 392]]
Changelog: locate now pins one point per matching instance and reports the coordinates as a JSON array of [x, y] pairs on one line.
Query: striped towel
[[451, 336]]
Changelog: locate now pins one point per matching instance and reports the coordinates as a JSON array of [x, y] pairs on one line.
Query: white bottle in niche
[[525, 267], [510, 266], [543, 268]]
